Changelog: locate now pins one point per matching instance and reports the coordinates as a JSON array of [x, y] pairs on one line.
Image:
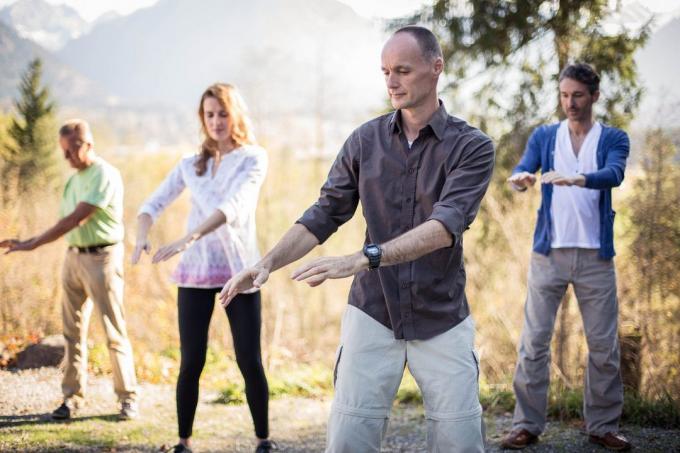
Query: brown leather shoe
[[611, 441], [518, 439]]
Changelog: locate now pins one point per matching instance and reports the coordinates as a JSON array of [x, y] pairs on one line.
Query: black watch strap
[[374, 253]]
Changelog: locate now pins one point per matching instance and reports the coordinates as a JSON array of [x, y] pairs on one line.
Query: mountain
[[68, 87], [659, 74], [106, 17], [49, 25], [286, 55]]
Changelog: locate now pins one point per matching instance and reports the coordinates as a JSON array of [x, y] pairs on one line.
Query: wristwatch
[[373, 252]]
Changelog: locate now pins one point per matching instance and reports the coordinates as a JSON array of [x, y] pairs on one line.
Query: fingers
[[260, 278], [516, 177], [228, 293], [302, 269], [8, 243], [555, 178], [238, 283], [549, 177], [137, 253], [308, 270], [522, 179], [316, 280], [164, 254], [241, 282]]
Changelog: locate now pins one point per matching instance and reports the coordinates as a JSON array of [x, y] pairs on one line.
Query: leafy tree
[[513, 51], [29, 152], [655, 222]]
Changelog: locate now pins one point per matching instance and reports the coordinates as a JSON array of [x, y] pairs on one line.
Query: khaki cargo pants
[[95, 280], [369, 369]]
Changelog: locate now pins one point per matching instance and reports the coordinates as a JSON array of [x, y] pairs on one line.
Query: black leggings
[[244, 312]]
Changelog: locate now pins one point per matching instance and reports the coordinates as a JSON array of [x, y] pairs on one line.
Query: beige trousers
[[369, 368], [95, 280]]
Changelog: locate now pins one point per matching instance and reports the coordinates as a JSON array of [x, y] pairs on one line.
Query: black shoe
[[179, 448], [265, 446], [65, 411]]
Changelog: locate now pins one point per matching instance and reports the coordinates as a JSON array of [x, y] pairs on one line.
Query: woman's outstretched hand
[[140, 246], [168, 251]]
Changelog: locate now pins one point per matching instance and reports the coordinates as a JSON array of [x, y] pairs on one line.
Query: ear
[[596, 96], [438, 66]]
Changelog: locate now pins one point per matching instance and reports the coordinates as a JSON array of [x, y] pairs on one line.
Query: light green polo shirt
[[100, 185]]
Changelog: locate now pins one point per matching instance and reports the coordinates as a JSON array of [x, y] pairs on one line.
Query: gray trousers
[[594, 282]]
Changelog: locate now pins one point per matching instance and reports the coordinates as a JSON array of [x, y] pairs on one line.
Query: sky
[[91, 9]]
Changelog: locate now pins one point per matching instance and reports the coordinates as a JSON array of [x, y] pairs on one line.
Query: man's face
[[75, 150], [576, 100], [409, 76]]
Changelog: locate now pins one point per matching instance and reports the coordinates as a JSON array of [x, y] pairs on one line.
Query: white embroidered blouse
[[234, 190]]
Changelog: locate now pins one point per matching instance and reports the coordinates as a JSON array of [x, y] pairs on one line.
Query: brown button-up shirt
[[443, 176]]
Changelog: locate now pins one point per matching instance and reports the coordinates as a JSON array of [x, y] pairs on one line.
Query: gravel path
[[298, 425]]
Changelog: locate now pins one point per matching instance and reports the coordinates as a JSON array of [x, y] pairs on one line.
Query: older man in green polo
[[92, 220]]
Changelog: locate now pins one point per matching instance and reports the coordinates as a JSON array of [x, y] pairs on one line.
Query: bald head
[[412, 68], [427, 41]]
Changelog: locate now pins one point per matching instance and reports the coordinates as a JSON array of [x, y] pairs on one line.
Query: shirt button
[[404, 285], [411, 170], [408, 200]]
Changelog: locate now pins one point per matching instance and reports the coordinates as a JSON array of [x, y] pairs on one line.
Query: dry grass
[[301, 324]]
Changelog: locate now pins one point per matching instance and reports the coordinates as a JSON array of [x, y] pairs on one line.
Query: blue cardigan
[[612, 151]]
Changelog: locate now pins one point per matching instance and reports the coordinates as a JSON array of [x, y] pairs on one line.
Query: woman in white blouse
[[224, 179]]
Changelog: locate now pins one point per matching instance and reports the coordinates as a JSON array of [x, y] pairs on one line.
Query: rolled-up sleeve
[[465, 186], [339, 195], [171, 187], [245, 191]]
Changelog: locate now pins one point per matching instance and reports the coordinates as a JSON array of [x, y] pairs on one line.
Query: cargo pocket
[[337, 363], [475, 357]]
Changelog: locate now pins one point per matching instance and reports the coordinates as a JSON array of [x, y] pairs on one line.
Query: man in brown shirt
[[420, 175]]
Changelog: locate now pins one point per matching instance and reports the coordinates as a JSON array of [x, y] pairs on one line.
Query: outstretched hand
[[15, 245], [140, 246], [317, 271], [522, 180], [170, 250], [558, 179], [245, 280]]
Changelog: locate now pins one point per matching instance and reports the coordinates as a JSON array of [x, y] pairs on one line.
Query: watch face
[[372, 250]]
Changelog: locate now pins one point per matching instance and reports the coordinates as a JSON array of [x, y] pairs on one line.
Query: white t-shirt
[[575, 210]]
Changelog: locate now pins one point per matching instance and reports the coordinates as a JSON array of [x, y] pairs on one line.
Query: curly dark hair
[[584, 73]]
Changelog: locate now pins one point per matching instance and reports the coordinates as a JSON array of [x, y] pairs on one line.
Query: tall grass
[[301, 324]]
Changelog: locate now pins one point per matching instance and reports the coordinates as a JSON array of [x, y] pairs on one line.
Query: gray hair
[[79, 127]]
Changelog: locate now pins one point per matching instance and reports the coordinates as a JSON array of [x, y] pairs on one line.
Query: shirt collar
[[437, 122]]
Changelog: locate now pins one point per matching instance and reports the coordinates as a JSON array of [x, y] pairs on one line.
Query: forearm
[[61, 228], [210, 224], [424, 239], [144, 223], [296, 243]]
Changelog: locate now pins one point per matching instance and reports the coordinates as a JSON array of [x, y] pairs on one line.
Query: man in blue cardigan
[[580, 160]]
